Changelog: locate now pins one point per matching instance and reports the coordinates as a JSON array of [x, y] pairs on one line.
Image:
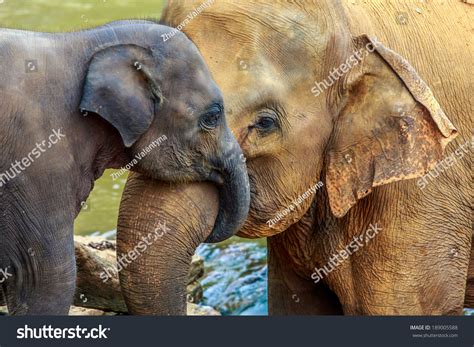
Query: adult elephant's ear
[[390, 127], [120, 88]]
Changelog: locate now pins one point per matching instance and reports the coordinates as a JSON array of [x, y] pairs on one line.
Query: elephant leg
[[160, 225], [469, 297], [2, 297], [41, 271], [291, 294]]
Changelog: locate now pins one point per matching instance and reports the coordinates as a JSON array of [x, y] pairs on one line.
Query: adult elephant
[[310, 97]]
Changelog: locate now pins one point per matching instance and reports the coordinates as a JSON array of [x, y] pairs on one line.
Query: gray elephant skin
[[75, 104]]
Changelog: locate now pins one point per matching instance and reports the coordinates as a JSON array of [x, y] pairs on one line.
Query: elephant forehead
[[242, 34], [253, 96]]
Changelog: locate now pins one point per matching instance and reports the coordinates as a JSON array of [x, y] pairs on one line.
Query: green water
[[70, 15], [100, 212]]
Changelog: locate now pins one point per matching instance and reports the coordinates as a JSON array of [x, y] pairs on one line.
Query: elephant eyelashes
[[211, 118]]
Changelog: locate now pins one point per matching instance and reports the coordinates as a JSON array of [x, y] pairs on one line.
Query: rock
[[468, 312], [196, 270], [196, 310], [81, 311], [236, 278], [195, 292]]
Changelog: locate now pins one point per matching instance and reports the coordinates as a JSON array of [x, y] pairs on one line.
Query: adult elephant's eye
[[266, 122], [211, 118]]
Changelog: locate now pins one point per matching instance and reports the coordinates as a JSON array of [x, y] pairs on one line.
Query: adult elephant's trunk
[[234, 191], [160, 225]]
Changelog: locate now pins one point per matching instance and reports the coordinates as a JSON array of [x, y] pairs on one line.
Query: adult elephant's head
[[308, 102], [169, 113]]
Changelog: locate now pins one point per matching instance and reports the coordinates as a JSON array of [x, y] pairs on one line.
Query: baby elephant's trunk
[[234, 191], [159, 227]]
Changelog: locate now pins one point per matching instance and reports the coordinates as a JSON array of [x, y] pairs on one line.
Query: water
[[70, 15], [99, 214], [235, 282]]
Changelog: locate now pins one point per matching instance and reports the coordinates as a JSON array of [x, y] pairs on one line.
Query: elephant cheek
[[275, 221], [257, 228]]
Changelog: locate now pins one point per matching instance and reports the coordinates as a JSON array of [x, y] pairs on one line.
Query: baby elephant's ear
[[391, 127], [119, 89]]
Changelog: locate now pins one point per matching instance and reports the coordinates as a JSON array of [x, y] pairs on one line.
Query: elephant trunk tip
[[234, 201]]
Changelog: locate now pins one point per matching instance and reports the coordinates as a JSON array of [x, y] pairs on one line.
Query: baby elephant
[[75, 104]]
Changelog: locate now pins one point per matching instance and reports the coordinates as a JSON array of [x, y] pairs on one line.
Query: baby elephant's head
[[169, 112]]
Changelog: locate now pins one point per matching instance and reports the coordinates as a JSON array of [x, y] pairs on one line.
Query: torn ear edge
[[401, 152]]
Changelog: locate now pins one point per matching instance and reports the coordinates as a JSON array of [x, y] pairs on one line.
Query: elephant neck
[[97, 147], [305, 240], [107, 150]]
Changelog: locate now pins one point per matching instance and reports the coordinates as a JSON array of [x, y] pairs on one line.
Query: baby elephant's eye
[[211, 118]]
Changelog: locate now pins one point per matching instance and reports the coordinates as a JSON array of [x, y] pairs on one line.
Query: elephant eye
[[266, 121], [211, 118]]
